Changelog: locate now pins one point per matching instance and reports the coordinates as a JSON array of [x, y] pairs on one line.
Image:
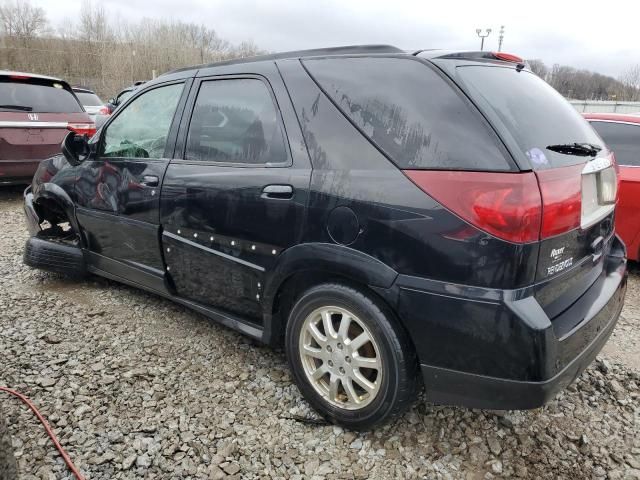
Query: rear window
[[531, 111], [623, 139], [411, 113], [89, 99], [36, 96]]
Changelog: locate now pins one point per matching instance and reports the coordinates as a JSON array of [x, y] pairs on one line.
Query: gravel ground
[[138, 387]]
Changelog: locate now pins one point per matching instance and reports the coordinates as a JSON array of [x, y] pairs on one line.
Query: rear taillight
[[104, 110], [88, 129], [561, 199], [506, 205], [526, 207]]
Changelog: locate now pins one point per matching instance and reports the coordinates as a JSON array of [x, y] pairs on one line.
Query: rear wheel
[[349, 357]]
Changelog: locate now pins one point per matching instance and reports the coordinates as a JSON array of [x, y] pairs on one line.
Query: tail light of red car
[[88, 129]]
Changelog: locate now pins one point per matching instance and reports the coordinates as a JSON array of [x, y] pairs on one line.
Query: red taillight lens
[[19, 77], [88, 129], [561, 190], [507, 57], [506, 205], [104, 110]]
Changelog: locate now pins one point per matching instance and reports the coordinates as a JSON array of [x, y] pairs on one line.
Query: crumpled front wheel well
[[50, 210]]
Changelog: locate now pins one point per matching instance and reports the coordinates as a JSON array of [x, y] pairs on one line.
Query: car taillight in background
[[88, 129], [104, 110], [526, 207]]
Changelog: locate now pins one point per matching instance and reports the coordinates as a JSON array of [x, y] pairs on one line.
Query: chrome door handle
[[280, 192], [150, 181]]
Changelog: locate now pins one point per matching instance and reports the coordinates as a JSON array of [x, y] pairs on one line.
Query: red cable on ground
[[52, 436]]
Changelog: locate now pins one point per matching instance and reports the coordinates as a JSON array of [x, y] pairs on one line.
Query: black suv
[[381, 213]]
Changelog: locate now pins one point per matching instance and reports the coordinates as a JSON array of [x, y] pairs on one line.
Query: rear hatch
[[576, 175], [35, 115]]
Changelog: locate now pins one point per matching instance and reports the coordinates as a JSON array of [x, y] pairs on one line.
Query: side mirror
[[75, 148], [112, 100]]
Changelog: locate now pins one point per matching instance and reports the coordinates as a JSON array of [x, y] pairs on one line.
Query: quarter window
[[140, 130], [411, 113], [236, 122], [623, 139]]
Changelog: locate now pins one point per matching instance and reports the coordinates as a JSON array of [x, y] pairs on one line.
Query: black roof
[[316, 52]]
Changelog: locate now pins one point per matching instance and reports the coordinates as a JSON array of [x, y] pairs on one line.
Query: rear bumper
[[15, 172], [452, 387], [499, 350]]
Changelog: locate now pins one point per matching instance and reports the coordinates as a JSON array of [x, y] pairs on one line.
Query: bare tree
[[630, 84], [19, 18], [538, 67]]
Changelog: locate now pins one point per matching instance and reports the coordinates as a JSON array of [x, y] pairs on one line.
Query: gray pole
[[501, 38], [482, 36]]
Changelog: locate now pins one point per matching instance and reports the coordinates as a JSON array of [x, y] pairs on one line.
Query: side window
[[140, 130], [623, 139], [410, 112], [235, 121]]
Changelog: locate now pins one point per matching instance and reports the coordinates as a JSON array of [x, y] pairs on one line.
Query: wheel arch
[[51, 199], [303, 266]]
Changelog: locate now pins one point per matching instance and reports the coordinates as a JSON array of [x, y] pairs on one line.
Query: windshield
[[89, 99], [37, 97], [532, 112]]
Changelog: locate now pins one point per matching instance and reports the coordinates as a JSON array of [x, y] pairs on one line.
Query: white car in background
[[92, 104]]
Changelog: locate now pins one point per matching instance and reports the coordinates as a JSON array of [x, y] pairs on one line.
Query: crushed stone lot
[[137, 387]]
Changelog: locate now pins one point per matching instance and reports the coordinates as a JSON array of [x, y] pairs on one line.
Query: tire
[[391, 385]]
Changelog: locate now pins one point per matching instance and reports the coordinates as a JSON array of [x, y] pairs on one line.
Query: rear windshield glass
[[411, 113], [533, 113], [623, 139], [37, 97], [89, 99]]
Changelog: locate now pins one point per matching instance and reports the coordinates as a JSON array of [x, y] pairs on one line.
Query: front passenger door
[[119, 190]]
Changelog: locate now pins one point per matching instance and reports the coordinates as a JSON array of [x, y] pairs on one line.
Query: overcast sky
[[601, 35]]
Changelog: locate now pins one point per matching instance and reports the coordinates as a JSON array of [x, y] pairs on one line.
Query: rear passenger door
[[235, 196]]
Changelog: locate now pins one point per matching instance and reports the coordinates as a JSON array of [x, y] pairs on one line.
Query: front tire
[[350, 358]]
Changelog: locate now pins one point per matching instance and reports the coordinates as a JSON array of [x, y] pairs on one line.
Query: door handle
[[150, 181], [280, 192]]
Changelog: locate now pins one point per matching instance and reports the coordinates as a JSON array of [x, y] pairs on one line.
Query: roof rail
[[344, 50]]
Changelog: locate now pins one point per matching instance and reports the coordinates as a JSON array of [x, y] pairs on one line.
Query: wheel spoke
[[343, 330], [328, 324], [359, 341], [334, 381], [319, 372], [314, 352], [366, 362], [363, 382], [316, 334], [350, 390]]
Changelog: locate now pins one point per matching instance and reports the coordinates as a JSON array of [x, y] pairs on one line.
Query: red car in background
[[36, 112], [622, 134]]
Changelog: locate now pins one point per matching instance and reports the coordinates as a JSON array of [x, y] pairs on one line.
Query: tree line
[[583, 84], [107, 54], [102, 52]]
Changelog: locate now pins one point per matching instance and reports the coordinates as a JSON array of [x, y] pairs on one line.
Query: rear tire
[[350, 358]]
